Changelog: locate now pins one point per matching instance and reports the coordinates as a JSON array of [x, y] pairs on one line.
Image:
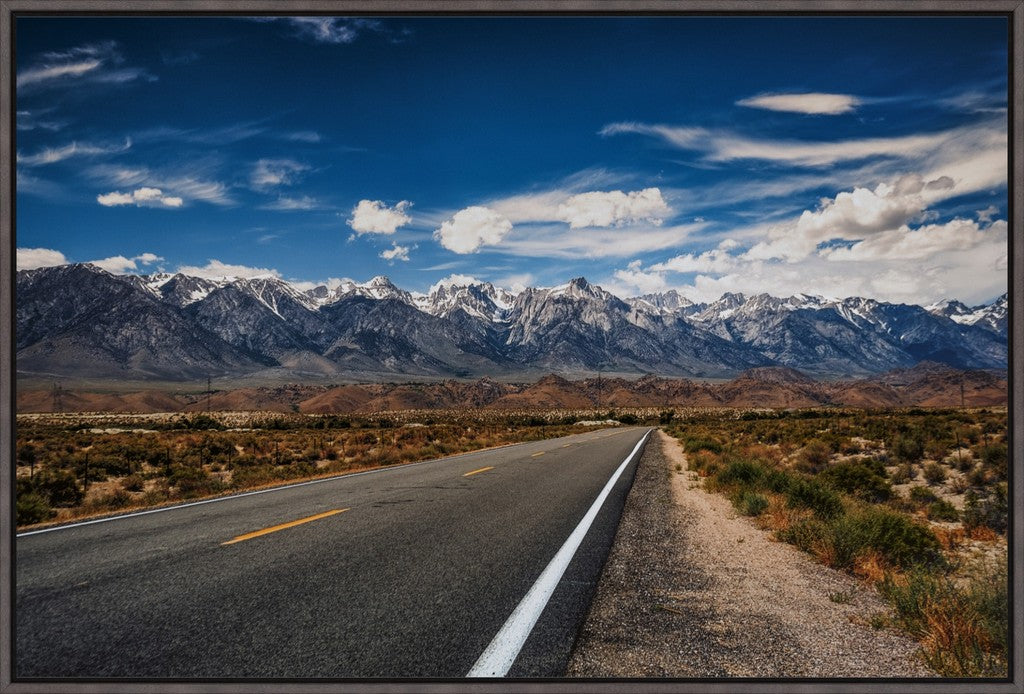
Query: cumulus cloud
[[52, 155], [374, 217], [120, 265], [716, 260], [32, 258], [851, 215], [986, 214], [914, 244], [269, 173], [812, 103], [645, 281], [215, 269], [141, 197], [396, 252], [471, 228], [614, 208]]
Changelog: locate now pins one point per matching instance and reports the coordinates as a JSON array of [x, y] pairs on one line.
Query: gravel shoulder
[[692, 590]]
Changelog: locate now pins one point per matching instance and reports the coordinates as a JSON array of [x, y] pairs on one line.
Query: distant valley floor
[[925, 385]]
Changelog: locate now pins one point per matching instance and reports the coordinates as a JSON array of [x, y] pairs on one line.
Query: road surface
[[412, 571]]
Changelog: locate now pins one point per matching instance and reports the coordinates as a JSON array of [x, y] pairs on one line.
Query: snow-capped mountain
[[993, 316], [81, 320]]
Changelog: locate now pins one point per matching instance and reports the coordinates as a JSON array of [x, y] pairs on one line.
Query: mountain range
[[81, 321]]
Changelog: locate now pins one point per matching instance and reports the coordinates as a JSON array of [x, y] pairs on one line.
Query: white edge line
[[497, 658], [262, 491]]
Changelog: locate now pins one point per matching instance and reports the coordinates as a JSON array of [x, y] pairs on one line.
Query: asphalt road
[[403, 572]]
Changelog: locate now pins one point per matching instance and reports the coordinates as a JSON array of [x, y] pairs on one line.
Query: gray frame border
[[1014, 8]]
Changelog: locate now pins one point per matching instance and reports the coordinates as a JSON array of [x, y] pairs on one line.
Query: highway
[[481, 564]]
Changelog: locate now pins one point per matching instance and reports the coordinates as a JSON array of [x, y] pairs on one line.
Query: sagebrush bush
[[750, 503], [858, 479], [942, 510], [934, 473], [815, 496]]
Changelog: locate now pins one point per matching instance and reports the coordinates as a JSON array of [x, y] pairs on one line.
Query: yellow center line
[[536, 454], [283, 526], [483, 469], [566, 445]]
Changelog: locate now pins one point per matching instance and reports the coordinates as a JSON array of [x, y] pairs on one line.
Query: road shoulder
[[691, 590]]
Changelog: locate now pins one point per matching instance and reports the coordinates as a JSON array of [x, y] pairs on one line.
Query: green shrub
[[994, 459], [858, 479], [987, 509], [923, 495], [31, 507], [694, 445], [750, 503], [811, 494], [813, 457], [934, 473], [894, 536], [133, 483], [60, 488], [907, 448], [943, 511], [742, 472]]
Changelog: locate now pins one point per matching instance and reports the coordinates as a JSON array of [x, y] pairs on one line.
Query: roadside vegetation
[[71, 466], [913, 502]]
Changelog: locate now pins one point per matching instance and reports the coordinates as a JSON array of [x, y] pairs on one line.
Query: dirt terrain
[[927, 385], [691, 590]]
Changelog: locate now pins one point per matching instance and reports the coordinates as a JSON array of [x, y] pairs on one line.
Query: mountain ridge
[[81, 321]]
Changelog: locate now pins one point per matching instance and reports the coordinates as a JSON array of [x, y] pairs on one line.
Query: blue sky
[[837, 156]]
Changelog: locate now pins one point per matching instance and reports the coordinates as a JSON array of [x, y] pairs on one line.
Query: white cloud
[[374, 217], [454, 280], [141, 197], [915, 244], [614, 208], [814, 103], [986, 214], [52, 155], [32, 258], [559, 241], [585, 208], [471, 228], [185, 185], [215, 269], [285, 203], [396, 252], [717, 260], [645, 281], [268, 173], [94, 62], [120, 265], [723, 146], [852, 215]]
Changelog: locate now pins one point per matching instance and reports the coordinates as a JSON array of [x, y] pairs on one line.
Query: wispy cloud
[[285, 203], [809, 103], [96, 62], [270, 173], [329, 30], [52, 155], [173, 183], [33, 120], [725, 146]]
